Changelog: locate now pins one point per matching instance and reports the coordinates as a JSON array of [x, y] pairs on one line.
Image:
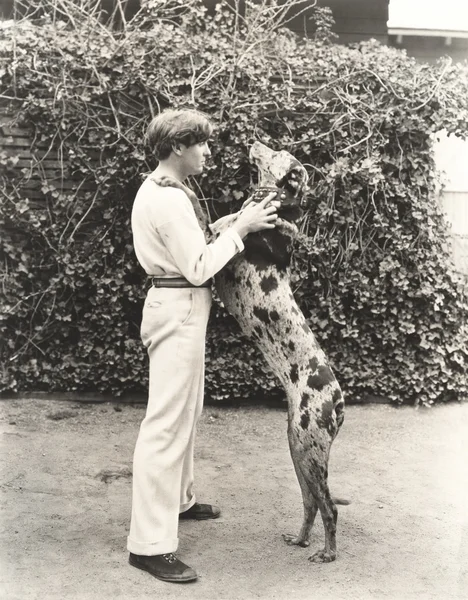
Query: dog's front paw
[[321, 556], [293, 540]]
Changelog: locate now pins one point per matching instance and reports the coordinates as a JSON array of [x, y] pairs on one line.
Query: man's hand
[[255, 217], [258, 195]]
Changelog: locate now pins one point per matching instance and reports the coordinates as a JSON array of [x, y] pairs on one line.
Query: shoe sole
[[162, 578], [194, 518]]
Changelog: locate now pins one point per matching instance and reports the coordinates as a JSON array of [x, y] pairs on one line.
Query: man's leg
[[187, 495], [189, 507], [167, 431]]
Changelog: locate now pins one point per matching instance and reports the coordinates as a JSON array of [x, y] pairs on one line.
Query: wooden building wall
[[356, 20], [451, 155], [359, 20], [429, 48]]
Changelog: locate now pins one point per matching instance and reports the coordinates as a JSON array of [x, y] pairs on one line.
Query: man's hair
[[177, 126]]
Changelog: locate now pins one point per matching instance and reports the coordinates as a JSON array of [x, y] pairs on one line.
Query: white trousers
[[173, 330]]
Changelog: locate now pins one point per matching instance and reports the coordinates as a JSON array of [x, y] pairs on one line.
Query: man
[[170, 245]]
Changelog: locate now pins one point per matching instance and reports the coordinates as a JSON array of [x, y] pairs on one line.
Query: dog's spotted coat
[[255, 289]]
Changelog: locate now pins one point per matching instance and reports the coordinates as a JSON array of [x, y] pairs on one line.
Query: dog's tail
[[341, 501]]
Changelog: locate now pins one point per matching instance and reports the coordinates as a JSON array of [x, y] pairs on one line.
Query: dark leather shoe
[[200, 512], [165, 567]]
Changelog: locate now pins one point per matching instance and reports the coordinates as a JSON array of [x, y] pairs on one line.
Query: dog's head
[[281, 170]]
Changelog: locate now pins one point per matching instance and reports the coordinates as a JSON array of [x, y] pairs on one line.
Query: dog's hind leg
[[310, 511], [312, 474], [329, 515]]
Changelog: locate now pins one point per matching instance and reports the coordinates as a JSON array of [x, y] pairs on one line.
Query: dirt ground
[[66, 491]]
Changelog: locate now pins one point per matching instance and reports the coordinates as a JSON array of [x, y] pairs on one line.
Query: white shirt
[[168, 240]]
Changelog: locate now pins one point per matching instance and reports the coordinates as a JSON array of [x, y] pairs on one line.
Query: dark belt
[[176, 282]]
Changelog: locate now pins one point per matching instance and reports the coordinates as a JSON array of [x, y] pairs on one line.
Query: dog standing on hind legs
[[255, 289]]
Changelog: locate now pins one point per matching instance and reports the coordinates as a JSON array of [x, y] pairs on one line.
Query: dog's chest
[[262, 302], [255, 297]]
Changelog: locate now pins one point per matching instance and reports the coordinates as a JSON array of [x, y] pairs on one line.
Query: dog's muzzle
[[290, 208]]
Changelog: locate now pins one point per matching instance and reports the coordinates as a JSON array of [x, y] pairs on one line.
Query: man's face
[[194, 157]]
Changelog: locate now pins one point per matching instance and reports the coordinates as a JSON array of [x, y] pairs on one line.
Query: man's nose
[[207, 151]]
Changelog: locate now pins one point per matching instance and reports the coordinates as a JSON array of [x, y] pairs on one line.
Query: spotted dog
[[255, 289]]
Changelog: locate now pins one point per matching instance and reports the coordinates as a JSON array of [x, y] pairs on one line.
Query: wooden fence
[[36, 162]]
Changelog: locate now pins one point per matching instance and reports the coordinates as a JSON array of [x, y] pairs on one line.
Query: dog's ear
[[295, 181]]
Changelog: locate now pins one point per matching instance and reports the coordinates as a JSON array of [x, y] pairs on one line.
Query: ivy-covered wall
[[375, 278]]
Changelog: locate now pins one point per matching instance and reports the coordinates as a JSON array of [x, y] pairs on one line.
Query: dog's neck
[[266, 180]]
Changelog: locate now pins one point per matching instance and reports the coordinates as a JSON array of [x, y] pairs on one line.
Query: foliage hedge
[[375, 279]]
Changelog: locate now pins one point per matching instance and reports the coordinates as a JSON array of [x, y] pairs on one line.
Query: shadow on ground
[[66, 487]]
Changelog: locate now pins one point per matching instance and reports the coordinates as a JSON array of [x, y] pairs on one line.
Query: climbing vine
[[374, 279]]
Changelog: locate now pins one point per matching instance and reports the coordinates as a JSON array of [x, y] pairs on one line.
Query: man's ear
[[176, 149]]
